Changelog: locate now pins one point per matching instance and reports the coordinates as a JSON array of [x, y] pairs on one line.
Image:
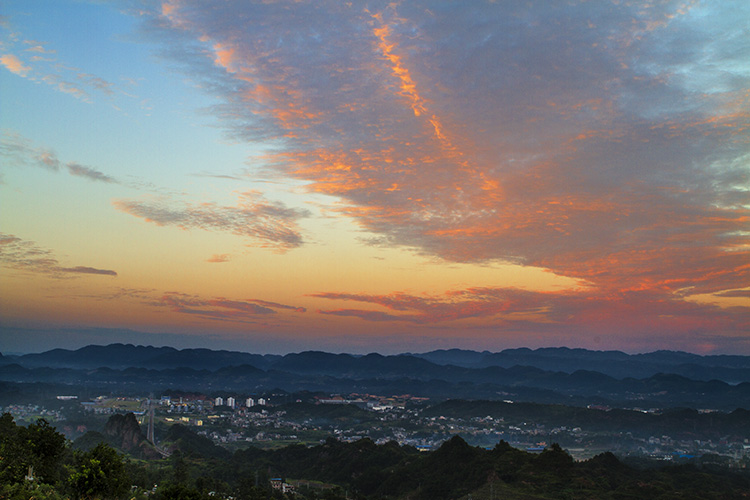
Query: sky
[[367, 176]]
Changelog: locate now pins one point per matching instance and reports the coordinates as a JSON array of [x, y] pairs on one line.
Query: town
[[276, 419]]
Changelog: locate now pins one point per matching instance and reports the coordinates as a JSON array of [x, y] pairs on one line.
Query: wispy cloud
[[452, 306], [219, 176], [583, 313], [37, 47], [98, 83], [214, 308], [269, 223], [276, 305], [24, 255], [33, 59], [122, 293], [87, 270], [364, 314], [19, 150], [89, 173], [46, 69], [221, 308]]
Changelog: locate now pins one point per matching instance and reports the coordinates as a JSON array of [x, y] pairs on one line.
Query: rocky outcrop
[[124, 432]]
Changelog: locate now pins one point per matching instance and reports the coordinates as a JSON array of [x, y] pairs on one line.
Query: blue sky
[[375, 176]]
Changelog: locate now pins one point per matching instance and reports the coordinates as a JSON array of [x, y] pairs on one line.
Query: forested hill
[[335, 470]]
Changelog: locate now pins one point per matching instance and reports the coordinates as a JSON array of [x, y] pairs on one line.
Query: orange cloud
[[224, 56], [407, 85], [218, 258], [14, 65], [561, 137]]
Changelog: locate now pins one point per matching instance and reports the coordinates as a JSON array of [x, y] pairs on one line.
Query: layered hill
[[616, 364], [545, 375]]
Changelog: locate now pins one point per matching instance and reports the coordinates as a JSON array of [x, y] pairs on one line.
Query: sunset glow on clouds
[[474, 145], [272, 224]]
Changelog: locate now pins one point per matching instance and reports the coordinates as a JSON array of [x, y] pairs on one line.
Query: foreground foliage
[[36, 462]]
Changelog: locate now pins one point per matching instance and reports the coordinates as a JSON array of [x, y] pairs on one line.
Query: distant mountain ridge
[[732, 369], [554, 375], [119, 356], [728, 368]]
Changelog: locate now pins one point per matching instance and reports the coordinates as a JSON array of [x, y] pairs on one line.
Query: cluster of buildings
[[371, 401], [29, 413], [232, 402], [201, 403]]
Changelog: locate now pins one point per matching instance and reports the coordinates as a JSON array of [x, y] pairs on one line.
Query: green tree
[[46, 448], [22, 491], [176, 491], [180, 473], [99, 474], [38, 446], [12, 464]]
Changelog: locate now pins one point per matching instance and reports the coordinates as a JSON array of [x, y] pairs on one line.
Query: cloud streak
[[583, 314], [21, 151], [268, 223], [87, 270], [220, 308], [23, 255], [89, 173], [452, 306]]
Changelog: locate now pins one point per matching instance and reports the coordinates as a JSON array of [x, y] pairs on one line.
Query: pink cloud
[[14, 65], [584, 314], [221, 308]]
